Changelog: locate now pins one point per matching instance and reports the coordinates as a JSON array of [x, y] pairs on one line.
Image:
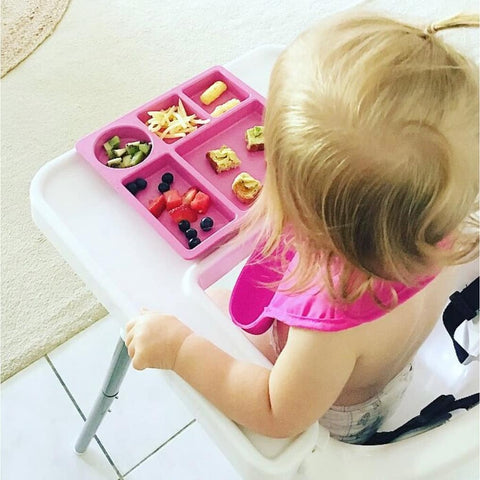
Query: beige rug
[[25, 25]]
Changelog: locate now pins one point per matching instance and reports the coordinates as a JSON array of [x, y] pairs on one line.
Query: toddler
[[371, 142]]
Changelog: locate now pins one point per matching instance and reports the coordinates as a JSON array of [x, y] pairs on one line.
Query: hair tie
[[430, 30]]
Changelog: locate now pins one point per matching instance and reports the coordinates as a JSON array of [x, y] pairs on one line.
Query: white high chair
[[76, 226], [450, 451]]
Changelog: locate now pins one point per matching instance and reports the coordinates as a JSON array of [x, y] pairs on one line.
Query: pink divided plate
[[186, 157]]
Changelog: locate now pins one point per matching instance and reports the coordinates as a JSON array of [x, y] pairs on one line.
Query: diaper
[[357, 423]]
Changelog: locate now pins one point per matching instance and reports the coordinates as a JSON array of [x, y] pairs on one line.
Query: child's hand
[[153, 340]]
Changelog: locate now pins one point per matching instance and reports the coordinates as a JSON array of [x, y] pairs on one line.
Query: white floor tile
[[189, 456], [147, 412], [39, 425]]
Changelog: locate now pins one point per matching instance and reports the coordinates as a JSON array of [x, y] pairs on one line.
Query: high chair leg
[[111, 386]]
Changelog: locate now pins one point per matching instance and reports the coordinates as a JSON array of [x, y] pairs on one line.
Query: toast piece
[[254, 138], [246, 188], [223, 159]]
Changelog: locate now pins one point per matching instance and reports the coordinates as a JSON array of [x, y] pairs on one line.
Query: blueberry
[[163, 187], [141, 183], [206, 224], [193, 242], [191, 233], [183, 225], [167, 178], [132, 187]]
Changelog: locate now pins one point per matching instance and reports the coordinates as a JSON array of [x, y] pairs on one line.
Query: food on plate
[[183, 225], [163, 187], [132, 187], [224, 107], [201, 202], [183, 209], [189, 195], [191, 233], [157, 205], [130, 155], [173, 122], [196, 199], [183, 212], [246, 188], [193, 242], [141, 183], [111, 145], [167, 177], [172, 198], [206, 224], [223, 159], [254, 138], [213, 92]]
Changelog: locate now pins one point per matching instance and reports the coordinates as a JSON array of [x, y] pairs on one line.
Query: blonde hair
[[371, 142]]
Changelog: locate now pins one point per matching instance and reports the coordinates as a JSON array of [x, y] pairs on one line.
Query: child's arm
[[305, 381]]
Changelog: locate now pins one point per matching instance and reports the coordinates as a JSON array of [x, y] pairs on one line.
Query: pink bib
[[254, 307]]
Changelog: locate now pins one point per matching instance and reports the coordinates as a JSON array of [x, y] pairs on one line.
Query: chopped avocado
[[257, 131], [119, 152], [115, 162], [137, 158], [145, 148], [135, 144]]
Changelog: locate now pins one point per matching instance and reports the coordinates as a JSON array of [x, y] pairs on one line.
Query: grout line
[[79, 410], [161, 446]]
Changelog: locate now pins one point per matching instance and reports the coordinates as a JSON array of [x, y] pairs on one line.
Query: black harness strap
[[433, 415]]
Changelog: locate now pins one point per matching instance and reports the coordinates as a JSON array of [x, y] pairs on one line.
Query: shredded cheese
[[173, 122]]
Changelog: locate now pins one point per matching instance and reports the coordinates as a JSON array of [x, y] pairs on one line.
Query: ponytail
[[458, 21]]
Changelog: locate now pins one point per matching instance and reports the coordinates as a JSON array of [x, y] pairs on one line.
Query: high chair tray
[[125, 262], [185, 157]]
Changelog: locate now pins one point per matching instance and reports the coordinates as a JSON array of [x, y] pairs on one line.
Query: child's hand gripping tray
[[190, 161]]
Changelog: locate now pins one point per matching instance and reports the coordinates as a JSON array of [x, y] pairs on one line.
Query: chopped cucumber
[[108, 148], [145, 148], [115, 162], [131, 149], [126, 161], [110, 145], [119, 152], [114, 142], [131, 154], [137, 158]]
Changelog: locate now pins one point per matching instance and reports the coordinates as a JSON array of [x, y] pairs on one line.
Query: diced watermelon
[[157, 206], [172, 199], [183, 212], [201, 202], [189, 195]]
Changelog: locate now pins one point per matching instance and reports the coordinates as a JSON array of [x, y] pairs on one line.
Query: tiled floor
[[147, 435]]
